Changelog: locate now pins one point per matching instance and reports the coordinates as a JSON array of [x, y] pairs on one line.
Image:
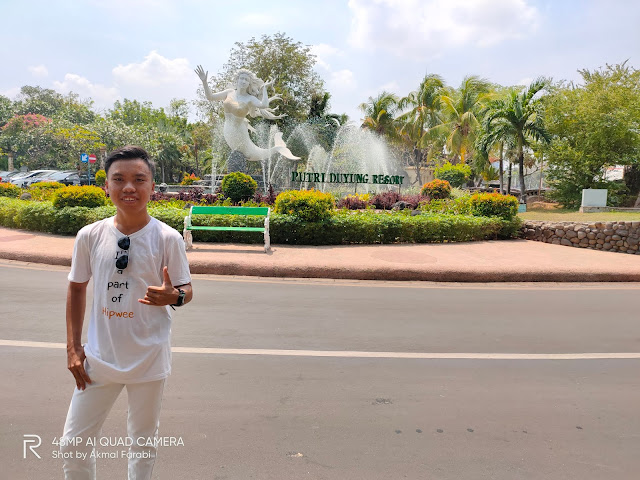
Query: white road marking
[[356, 354]]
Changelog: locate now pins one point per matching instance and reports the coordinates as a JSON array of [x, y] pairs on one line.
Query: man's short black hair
[[130, 152]]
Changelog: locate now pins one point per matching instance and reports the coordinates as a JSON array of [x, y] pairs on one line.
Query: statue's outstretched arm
[[212, 97]]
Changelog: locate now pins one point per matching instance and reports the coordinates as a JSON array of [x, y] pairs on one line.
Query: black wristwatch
[[180, 301]]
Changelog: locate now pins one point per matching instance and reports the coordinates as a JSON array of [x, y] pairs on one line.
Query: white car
[[5, 177], [24, 180]]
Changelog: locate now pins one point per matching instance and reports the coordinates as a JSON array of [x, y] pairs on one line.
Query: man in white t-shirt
[[139, 270]]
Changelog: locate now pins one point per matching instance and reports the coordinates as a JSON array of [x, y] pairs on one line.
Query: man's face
[[130, 185]]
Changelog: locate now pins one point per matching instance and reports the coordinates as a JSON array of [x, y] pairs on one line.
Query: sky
[[147, 49]]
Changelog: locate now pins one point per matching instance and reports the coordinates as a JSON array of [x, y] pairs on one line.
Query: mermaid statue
[[240, 100]]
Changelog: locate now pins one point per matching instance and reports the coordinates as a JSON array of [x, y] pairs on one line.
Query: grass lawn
[[562, 215]]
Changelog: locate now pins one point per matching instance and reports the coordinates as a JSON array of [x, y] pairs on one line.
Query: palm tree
[[378, 114], [416, 125], [519, 117], [462, 109]]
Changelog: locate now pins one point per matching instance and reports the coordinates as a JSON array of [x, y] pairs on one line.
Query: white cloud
[[342, 80], [322, 52], [11, 93], [154, 71], [102, 95], [428, 28], [156, 79], [39, 71]]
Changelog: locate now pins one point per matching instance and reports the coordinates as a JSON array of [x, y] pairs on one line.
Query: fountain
[[357, 158], [359, 161]]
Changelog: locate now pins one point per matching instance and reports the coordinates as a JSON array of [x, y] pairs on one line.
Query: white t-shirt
[[128, 342]]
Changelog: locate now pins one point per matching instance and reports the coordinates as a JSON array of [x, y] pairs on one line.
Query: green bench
[[257, 211]]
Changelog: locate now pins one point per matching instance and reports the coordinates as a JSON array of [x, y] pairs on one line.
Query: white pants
[[89, 409]]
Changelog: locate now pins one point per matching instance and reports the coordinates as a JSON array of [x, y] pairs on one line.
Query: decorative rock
[[400, 205], [621, 237]]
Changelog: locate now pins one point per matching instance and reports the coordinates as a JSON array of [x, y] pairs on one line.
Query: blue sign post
[[84, 158]]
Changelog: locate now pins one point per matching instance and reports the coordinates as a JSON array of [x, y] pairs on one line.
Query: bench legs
[[267, 238], [188, 239]]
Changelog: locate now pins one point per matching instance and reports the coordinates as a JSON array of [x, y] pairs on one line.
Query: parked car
[[28, 181], [85, 181], [6, 176], [67, 177], [20, 180]]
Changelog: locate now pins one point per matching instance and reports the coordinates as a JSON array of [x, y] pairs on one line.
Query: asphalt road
[[326, 410]]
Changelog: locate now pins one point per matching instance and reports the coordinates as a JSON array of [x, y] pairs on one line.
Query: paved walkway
[[489, 261]]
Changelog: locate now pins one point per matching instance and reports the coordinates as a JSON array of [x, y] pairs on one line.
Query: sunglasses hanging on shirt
[[123, 260]]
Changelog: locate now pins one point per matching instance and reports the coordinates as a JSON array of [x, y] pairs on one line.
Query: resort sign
[[313, 177]]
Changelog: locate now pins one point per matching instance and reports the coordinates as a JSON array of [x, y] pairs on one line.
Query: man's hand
[[75, 364], [163, 295]]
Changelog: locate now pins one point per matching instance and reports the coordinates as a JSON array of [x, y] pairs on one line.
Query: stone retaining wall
[[609, 236]]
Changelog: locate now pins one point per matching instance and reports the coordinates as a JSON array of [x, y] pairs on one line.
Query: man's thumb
[[165, 274]]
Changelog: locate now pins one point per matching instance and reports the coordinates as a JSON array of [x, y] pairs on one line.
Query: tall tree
[[379, 114], [279, 57], [51, 104], [519, 117], [6, 110], [461, 108], [424, 113], [595, 125]]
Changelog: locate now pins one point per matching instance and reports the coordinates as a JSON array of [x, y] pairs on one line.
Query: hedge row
[[342, 228]]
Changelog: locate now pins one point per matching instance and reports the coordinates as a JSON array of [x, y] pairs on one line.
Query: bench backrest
[[197, 210]]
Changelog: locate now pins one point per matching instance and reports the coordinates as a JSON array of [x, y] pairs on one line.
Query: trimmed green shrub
[[43, 217], [44, 190], [494, 205], [456, 175], [9, 190], [75, 196], [238, 186], [101, 178], [450, 206], [436, 189], [308, 205]]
